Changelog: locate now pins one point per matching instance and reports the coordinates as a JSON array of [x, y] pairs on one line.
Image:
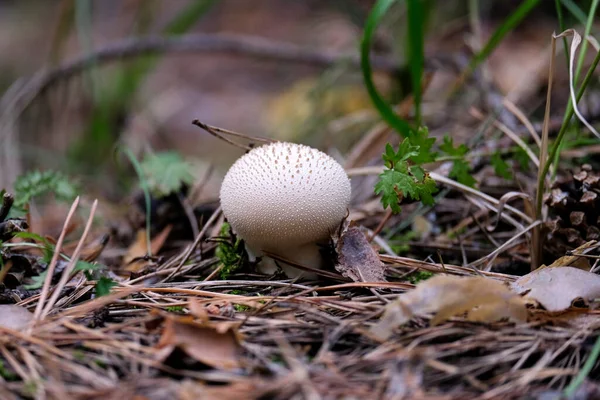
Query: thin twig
[[52, 266], [74, 259], [191, 248]]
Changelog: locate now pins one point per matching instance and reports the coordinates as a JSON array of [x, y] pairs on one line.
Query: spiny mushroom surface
[[286, 199]]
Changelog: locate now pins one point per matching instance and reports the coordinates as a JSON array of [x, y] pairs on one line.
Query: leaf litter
[[357, 259], [479, 299], [186, 334], [558, 287]]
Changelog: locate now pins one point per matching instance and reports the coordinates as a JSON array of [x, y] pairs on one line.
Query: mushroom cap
[[284, 195]]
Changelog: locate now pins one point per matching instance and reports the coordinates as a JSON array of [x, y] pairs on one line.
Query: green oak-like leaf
[[166, 173], [501, 167], [461, 169]]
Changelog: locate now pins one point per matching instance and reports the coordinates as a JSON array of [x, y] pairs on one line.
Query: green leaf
[[418, 172], [385, 110], [166, 173], [405, 151], [461, 171], [86, 266], [35, 184], [386, 186], [501, 167], [448, 147], [48, 248], [36, 281], [522, 158], [103, 286], [32, 236], [395, 184], [460, 167], [421, 139]]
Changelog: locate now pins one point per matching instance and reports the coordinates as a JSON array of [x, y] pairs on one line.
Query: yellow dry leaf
[[575, 260], [138, 249], [482, 299], [556, 288]]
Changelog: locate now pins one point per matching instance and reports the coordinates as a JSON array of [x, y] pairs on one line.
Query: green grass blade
[[584, 372], [575, 11], [187, 18], [556, 146], [416, 56], [112, 101], [384, 109], [584, 45], [508, 25], [561, 25]]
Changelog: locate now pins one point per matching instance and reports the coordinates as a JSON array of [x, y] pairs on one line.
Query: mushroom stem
[[308, 255]]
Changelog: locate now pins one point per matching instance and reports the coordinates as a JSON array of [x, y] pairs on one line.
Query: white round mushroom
[[285, 199]]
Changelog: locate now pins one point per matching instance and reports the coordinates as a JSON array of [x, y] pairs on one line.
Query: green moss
[[241, 307], [229, 253], [418, 276], [6, 373], [30, 388]]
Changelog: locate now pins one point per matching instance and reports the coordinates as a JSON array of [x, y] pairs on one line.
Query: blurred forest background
[[147, 102]]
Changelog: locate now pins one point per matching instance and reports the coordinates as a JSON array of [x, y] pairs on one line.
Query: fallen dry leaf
[[133, 260], [237, 390], [482, 299], [357, 258], [575, 260], [556, 288], [213, 344], [14, 317]]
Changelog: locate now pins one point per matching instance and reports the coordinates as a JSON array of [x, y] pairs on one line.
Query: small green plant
[[103, 286], [400, 242], [460, 167], [229, 253], [30, 388], [37, 281], [47, 247], [405, 175], [174, 309], [6, 373], [166, 173], [402, 179], [522, 158], [418, 276], [501, 167], [240, 307], [36, 184]]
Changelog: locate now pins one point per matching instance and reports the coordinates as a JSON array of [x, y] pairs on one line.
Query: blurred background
[[71, 118]]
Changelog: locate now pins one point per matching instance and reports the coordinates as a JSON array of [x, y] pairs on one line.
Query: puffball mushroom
[[285, 199]]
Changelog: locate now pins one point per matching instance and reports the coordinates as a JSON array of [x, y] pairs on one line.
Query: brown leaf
[[575, 260], [138, 249], [556, 288], [237, 390], [213, 344], [14, 317], [482, 299], [357, 258]]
